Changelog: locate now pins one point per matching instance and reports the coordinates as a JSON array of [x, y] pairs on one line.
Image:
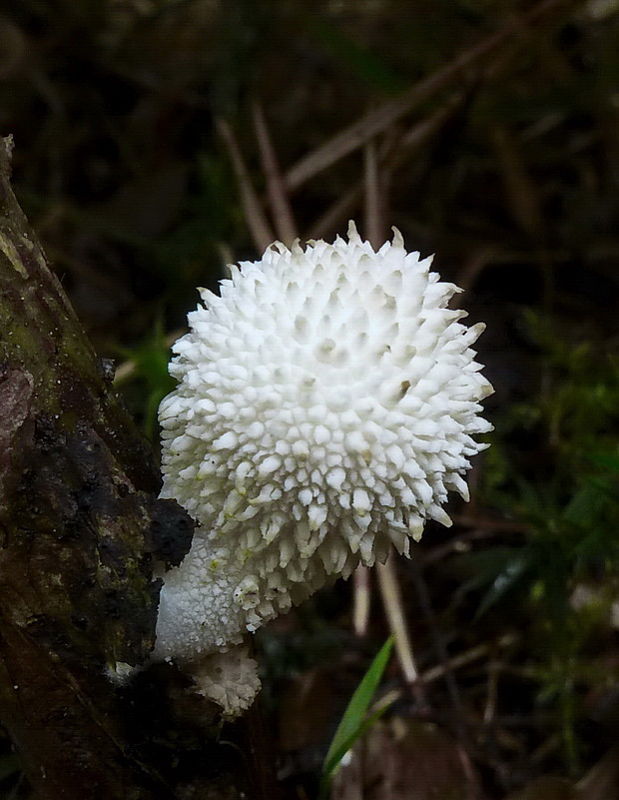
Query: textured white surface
[[327, 403], [230, 679]]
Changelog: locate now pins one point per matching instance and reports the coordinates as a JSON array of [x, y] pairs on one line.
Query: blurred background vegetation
[[158, 140]]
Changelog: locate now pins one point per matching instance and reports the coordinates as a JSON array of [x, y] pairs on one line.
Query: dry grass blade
[[420, 133], [392, 599], [457, 662], [361, 601], [373, 123], [389, 158], [283, 217], [468, 657], [256, 220], [375, 228]]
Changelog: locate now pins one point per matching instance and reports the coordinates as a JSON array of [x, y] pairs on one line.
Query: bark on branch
[[80, 528]]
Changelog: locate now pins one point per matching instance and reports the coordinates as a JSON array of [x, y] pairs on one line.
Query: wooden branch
[[80, 530]]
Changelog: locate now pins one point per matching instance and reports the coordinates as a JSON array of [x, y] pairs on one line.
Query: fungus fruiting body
[[327, 402]]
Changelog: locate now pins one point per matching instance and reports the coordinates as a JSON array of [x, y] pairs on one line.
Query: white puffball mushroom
[[327, 402]]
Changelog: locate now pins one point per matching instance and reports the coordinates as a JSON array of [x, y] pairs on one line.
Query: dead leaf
[[407, 760]]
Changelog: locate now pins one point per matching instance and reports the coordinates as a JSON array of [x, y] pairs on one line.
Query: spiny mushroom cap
[[326, 405]]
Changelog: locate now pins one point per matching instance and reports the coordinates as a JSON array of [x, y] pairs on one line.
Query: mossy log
[[80, 530]]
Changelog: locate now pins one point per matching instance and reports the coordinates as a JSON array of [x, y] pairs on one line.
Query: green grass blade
[[353, 724]]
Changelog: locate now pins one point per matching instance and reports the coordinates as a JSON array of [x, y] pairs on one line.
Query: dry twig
[[374, 122], [256, 220], [389, 157], [283, 217]]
